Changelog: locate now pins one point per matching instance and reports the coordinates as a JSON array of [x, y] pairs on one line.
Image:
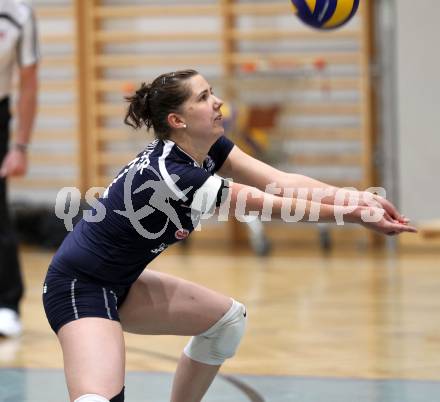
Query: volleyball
[[325, 14]]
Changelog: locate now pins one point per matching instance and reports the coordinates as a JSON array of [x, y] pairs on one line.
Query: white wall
[[418, 107]]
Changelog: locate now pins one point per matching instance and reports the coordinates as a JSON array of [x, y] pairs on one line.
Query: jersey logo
[[209, 164], [161, 248], [181, 234]]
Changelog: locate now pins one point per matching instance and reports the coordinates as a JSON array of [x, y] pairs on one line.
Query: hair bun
[[143, 91]]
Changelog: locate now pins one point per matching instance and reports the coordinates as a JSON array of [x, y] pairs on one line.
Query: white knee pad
[[221, 341], [91, 398]]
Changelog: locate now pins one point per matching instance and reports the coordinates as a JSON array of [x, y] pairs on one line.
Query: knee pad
[[91, 398], [221, 341]]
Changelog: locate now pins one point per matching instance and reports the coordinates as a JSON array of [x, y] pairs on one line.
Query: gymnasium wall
[[418, 112]]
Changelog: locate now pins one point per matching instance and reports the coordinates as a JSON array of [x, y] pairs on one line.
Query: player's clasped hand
[[387, 225], [390, 209]]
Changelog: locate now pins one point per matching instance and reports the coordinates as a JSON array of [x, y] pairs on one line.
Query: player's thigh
[[158, 303], [94, 356]]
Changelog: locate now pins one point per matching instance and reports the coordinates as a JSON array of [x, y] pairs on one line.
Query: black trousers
[[11, 283]]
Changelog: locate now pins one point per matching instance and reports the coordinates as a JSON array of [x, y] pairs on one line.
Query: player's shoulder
[[162, 163], [161, 159], [171, 156]]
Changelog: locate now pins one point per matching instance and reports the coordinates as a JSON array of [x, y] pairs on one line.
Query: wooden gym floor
[[344, 327]]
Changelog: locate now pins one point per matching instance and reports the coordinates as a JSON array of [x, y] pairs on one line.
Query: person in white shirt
[[18, 50]]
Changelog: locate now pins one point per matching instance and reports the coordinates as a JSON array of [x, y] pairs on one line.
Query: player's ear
[[175, 121]]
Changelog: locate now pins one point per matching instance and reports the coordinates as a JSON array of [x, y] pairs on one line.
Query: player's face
[[201, 111]]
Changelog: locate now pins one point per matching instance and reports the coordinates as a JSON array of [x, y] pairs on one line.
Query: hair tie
[[145, 97]]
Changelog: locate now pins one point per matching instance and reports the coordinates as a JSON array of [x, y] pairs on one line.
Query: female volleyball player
[[97, 286]]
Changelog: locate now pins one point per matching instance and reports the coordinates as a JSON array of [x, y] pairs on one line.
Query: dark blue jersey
[[154, 201]]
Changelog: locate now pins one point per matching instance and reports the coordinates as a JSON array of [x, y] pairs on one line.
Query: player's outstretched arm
[[246, 200], [243, 168]]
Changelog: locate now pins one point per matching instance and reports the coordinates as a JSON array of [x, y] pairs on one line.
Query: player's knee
[[221, 341], [98, 398]]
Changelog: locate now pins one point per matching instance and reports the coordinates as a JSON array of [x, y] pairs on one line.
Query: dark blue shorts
[[66, 299]]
